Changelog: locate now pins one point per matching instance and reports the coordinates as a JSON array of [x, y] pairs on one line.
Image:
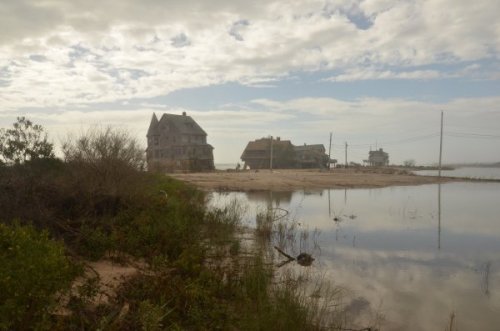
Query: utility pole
[[441, 146], [271, 158], [346, 154], [330, 152], [439, 216]]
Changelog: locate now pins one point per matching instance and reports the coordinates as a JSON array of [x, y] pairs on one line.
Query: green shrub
[[94, 242], [33, 272], [25, 141]]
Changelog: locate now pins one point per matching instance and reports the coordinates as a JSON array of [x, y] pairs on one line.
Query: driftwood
[[303, 259], [285, 214], [284, 254]]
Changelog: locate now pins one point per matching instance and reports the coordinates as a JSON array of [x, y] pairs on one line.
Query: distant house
[[257, 155], [310, 156], [378, 158], [177, 142]]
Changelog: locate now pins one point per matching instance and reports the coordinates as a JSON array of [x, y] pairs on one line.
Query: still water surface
[[465, 172], [410, 256]]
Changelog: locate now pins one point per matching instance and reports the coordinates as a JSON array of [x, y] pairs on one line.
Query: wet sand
[[293, 179]]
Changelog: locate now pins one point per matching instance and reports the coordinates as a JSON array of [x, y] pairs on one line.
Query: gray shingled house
[[378, 158], [257, 155], [178, 143], [311, 156]]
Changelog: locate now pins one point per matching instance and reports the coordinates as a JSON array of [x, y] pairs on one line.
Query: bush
[[105, 148], [104, 170], [33, 272]]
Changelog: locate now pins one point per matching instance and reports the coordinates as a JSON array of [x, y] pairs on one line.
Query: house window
[[156, 140]]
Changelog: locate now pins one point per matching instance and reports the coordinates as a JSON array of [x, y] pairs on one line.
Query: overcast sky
[[375, 73]]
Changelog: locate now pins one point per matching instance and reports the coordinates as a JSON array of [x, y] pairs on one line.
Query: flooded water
[[409, 256], [465, 172]]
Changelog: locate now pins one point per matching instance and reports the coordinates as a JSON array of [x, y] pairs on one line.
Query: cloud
[[62, 53], [71, 63], [370, 74]]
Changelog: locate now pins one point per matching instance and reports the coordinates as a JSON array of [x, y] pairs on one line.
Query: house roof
[[183, 124], [264, 144], [314, 147], [153, 126], [379, 152]]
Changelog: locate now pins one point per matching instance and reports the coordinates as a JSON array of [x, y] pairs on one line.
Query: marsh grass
[[299, 298], [283, 303]]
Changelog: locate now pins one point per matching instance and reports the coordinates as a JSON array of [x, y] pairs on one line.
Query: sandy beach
[[293, 179]]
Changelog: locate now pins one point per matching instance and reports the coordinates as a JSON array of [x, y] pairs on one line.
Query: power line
[[395, 142], [471, 135], [412, 139]]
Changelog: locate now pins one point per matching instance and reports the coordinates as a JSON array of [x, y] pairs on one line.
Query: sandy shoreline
[[292, 179]]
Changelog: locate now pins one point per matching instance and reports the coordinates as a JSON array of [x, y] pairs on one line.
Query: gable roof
[[183, 124], [153, 126], [265, 144]]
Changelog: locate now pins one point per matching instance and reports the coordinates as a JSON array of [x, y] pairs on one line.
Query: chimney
[[183, 113], [278, 138]]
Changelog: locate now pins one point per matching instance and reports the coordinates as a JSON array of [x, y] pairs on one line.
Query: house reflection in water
[[270, 198]]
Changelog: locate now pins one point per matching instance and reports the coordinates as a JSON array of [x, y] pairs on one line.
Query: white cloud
[[76, 55], [91, 49], [371, 74]]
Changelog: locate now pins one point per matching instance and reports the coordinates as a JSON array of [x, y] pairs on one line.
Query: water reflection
[[270, 198], [415, 256]]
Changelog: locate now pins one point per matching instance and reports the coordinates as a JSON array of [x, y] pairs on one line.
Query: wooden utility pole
[[346, 154], [271, 158], [439, 216], [441, 146], [330, 151]]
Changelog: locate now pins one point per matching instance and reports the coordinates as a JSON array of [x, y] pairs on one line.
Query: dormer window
[[156, 140]]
